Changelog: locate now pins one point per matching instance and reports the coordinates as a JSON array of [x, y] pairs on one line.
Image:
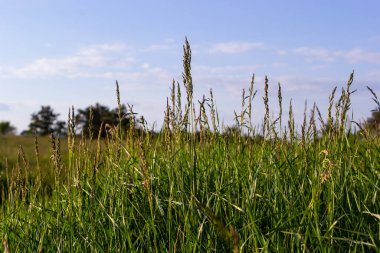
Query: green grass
[[10, 147], [187, 191]]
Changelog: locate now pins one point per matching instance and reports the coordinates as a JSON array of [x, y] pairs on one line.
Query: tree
[[45, 122], [100, 119], [373, 122], [60, 128], [6, 128]]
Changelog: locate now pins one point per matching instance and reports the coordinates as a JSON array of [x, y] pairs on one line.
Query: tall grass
[[195, 188]]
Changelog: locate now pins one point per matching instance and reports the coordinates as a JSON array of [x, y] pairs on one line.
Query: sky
[[70, 53]]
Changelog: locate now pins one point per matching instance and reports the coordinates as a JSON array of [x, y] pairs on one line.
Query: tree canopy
[[45, 122], [373, 122], [99, 117], [6, 128]]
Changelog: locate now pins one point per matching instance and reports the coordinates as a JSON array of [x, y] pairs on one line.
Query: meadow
[[196, 186]]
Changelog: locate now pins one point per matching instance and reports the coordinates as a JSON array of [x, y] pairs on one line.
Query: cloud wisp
[[85, 63], [311, 54], [235, 47], [109, 60], [354, 55]]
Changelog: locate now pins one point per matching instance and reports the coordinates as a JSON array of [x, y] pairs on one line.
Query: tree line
[[99, 117], [92, 119]]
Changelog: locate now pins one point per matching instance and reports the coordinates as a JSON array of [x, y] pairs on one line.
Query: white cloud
[[281, 52], [235, 47], [114, 47], [147, 76], [203, 69], [358, 55], [145, 65], [316, 53], [167, 45], [355, 55], [232, 79], [301, 84], [279, 64], [85, 63], [158, 47], [144, 79]]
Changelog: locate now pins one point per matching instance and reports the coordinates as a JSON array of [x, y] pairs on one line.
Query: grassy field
[[195, 188], [14, 148]]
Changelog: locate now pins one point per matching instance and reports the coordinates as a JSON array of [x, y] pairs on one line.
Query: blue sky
[[64, 53]]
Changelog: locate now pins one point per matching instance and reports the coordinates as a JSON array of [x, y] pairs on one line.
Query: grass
[[195, 188]]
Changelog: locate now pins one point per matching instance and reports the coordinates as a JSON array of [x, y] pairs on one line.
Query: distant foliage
[[45, 122], [373, 122], [6, 128], [97, 119]]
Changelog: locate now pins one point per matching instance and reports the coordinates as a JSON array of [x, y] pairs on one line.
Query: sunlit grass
[[192, 188]]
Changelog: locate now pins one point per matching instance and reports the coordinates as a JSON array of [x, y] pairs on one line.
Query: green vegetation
[[99, 117], [6, 128], [95, 120], [45, 122], [196, 187]]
